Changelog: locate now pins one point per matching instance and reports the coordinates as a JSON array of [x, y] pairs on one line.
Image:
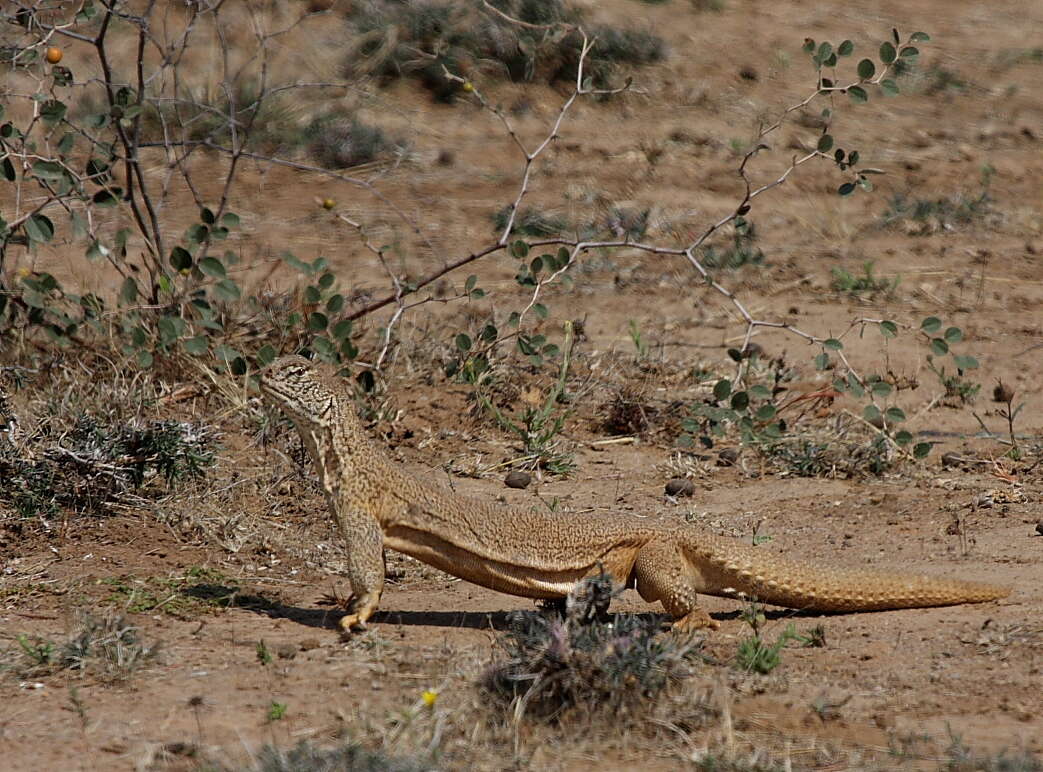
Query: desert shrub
[[340, 142], [417, 39], [559, 663], [98, 461], [105, 646], [306, 757]]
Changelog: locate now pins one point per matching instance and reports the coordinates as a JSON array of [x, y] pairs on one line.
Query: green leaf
[[931, 324], [469, 284], [760, 391], [540, 310], [953, 335], [463, 342], [887, 52], [294, 262], [889, 87], [144, 359], [550, 350], [846, 48], [335, 304], [740, 400], [197, 233], [919, 37], [939, 346], [52, 111], [871, 413], [722, 389], [265, 355], [341, 329], [825, 143], [765, 412], [846, 189], [903, 437], [312, 295], [910, 51], [317, 322], [964, 362], [129, 290], [326, 280], [48, 171], [196, 346], [922, 449], [881, 388], [107, 196], [866, 69], [39, 228], [211, 266], [180, 259], [855, 386], [888, 329], [8, 170], [832, 343], [520, 249], [822, 361], [227, 290], [858, 94], [894, 414], [230, 220]]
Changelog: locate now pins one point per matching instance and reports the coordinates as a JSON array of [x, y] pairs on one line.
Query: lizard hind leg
[[662, 574]]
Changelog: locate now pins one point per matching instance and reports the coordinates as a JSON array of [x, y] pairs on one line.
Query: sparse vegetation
[[559, 665], [103, 646], [865, 284], [143, 244]]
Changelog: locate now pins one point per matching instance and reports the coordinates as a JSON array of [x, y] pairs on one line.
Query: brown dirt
[[911, 679]]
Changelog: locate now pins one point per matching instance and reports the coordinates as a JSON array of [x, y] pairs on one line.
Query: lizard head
[[302, 391]]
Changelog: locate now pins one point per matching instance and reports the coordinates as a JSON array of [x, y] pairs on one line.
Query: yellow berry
[[53, 55], [468, 86], [328, 203]]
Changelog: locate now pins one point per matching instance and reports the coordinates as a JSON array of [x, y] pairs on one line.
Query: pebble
[[517, 479], [679, 486]]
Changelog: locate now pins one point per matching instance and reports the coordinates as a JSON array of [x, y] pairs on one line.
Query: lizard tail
[[733, 568]]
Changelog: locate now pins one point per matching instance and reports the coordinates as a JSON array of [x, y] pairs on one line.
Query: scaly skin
[[539, 554]]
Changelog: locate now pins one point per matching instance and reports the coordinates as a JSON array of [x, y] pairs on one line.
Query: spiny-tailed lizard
[[540, 554]]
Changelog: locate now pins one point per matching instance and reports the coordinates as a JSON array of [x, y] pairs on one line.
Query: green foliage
[[538, 427], [739, 254], [755, 655], [867, 283], [276, 711]]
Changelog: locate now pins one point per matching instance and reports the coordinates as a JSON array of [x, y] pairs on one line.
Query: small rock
[[1039, 527], [727, 457], [748, 73], [286, 651], [308, 644], [679, 486], [517, 479], [951, 460]]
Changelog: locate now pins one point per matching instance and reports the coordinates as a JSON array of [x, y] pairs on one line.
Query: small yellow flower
[[430, 696], [23, 272]]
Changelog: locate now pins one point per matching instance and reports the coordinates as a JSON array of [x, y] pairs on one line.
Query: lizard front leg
[[365, 542], [662, 573]]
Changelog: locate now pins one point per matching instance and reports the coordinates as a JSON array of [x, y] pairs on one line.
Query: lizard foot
[[351, 623], [697, 619]]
